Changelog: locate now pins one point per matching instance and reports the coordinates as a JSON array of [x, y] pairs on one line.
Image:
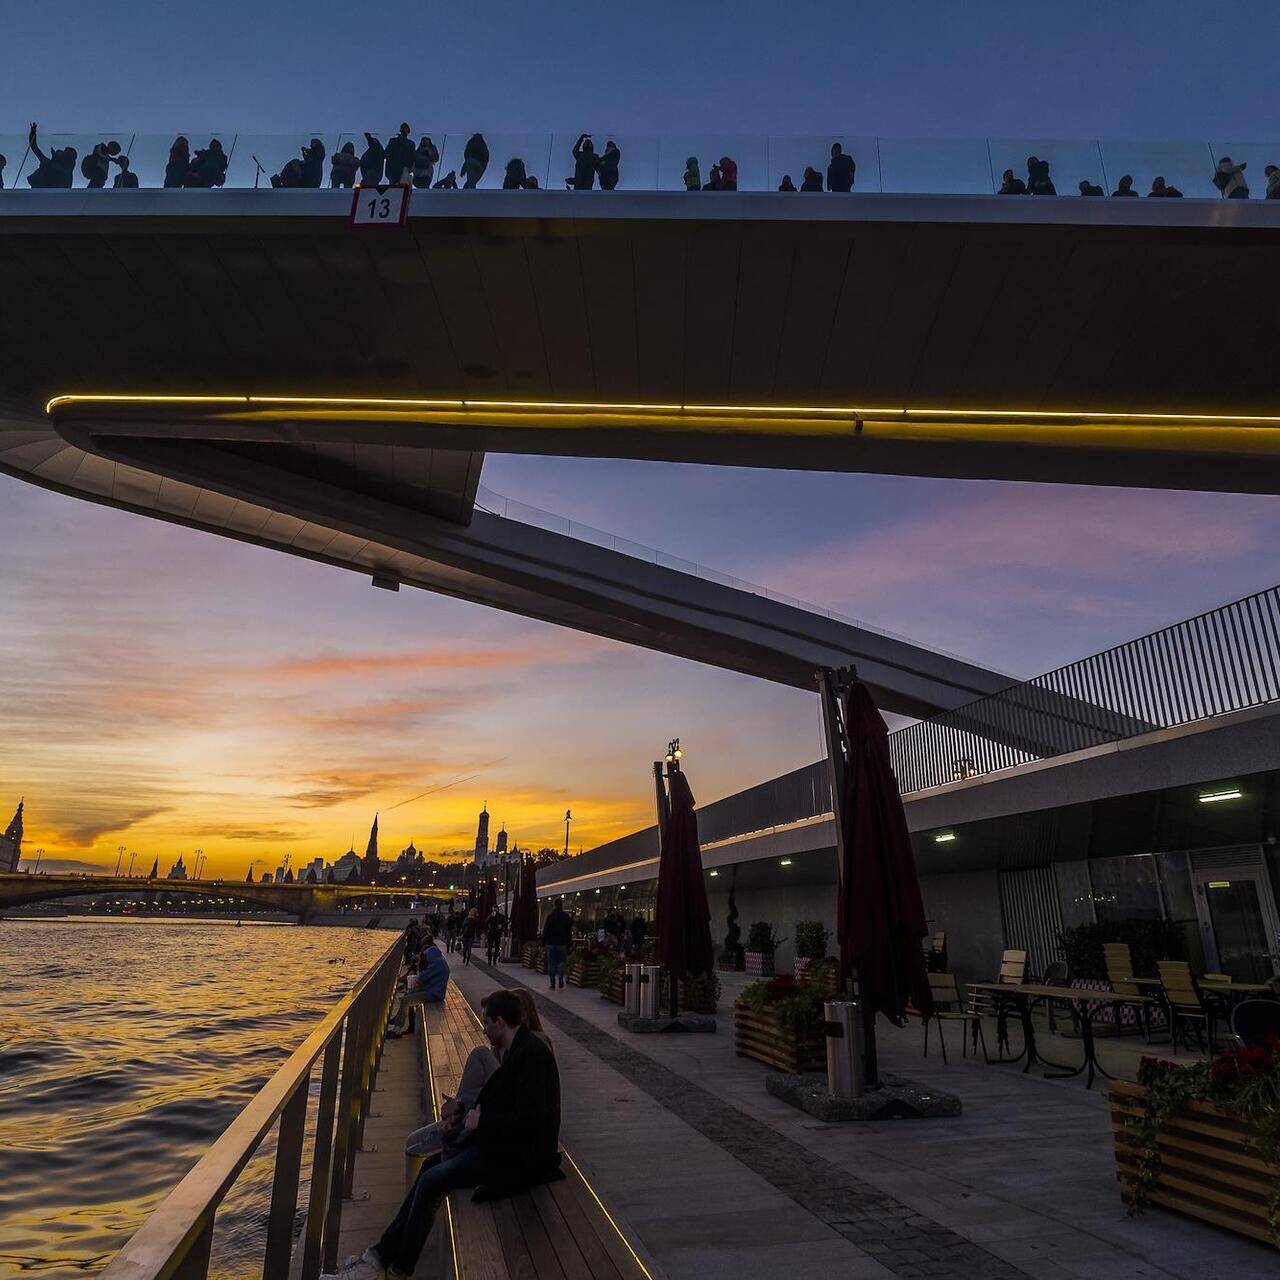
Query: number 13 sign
[[380, 206]]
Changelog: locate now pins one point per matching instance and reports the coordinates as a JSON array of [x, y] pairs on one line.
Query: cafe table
[[1023, 993]]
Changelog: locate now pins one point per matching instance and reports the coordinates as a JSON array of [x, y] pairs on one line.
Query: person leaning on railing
[[514, 1143]]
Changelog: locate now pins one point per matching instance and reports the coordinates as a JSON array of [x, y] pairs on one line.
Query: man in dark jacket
[[841, 170], [399, 156], [557, 934], [515, 1144]]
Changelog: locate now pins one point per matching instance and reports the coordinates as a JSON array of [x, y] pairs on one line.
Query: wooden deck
[[560, 1231]]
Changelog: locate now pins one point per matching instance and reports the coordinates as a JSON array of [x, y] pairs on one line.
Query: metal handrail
[[1226, 659], [175, 1240]]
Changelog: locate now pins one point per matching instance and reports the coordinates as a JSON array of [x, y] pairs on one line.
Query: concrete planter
[[759, 1035], [760, 964], [1209, 1167]]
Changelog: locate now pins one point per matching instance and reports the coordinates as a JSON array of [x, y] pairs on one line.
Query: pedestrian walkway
[[716, 1178]]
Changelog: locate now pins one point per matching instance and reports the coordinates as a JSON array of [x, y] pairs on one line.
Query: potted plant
[[812, 937], [762, 943], [1203, 1138], [778, 1021]]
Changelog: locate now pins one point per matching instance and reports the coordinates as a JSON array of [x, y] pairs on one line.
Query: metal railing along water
[[175, 1241], [927, 166]]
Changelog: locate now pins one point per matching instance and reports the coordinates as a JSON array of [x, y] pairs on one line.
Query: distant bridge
[[305, 901]]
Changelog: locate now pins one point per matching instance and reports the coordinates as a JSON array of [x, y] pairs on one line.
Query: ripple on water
[[115, 1079]]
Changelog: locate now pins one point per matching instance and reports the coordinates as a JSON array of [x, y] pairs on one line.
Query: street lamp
[[39, 855], [199, 861], [674, 755], [133, 853], [568, 817], [120, 852]]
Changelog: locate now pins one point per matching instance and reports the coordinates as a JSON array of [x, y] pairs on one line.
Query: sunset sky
[[165, 690]]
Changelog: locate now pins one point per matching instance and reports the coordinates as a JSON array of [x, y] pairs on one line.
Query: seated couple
[[426, 976], [500, 1135]]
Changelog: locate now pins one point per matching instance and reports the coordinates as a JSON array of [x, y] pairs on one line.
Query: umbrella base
[[682, 1022], [896, 1099]]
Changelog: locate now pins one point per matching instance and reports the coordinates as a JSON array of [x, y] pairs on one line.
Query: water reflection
[[126, 1047]]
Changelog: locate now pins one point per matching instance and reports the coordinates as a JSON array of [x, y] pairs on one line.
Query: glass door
[[1237, 915]]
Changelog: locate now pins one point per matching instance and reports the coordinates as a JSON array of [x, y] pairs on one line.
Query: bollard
[[649, 974], [631, 990], [843, 1027]]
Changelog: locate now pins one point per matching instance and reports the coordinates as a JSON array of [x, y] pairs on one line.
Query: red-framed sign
[[384, 205]]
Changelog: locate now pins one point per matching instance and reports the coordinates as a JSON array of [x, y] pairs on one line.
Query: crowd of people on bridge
[[402, 161], [499, 1133]]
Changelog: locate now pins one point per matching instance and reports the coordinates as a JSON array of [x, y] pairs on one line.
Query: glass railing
[[674, 162]]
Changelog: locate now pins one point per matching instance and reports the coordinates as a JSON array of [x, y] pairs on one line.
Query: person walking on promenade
[[608, 164], [470, 927], [495, 931], [557, 934], [475, 160], [515, 1128], [840, 172]]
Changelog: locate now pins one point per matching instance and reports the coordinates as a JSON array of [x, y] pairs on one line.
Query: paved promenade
[[714, 1178]]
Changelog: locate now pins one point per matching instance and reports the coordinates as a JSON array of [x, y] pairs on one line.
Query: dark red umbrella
[[880, 920], [683, 917], [524, 914]]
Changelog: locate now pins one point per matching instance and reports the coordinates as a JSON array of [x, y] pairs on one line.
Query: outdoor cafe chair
[[1252, 1021], [1119, 962], [1188, 1005], [947, 1007]]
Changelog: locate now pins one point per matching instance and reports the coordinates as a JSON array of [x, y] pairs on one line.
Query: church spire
[[11, 841]]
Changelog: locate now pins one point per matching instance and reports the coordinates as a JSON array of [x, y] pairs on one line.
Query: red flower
[[782, 986]]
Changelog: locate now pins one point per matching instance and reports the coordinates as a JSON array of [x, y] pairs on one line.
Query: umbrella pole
[[836, 764], [664, 812]]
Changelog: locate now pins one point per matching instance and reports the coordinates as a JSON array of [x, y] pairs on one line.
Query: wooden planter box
[[760, 964], [759, 1035], [615, 987], [583, 970], [700, 996], [1209, 1168], [527, 953]]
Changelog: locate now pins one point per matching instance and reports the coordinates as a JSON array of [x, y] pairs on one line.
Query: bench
[[559, 1231]]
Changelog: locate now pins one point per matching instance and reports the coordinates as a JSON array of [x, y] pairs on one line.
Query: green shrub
[[812, 937], [797, 1005], [760, 937], [1149, 941]]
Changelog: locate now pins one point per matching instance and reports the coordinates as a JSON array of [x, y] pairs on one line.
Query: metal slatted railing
[[1227, 659]]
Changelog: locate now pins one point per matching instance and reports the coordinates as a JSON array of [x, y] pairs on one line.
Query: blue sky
[[167, 690]]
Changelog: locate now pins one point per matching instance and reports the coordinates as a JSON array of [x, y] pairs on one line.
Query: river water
[[126, 1047]]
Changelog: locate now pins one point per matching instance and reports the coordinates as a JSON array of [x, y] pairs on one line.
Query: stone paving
[[716, 1178]]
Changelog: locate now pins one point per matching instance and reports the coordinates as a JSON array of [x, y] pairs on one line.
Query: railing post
[[321, 1162], [195, 1262], [284, 1187]]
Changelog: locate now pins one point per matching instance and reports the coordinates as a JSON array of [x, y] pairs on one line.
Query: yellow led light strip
[[843, 412], [578, 1170]]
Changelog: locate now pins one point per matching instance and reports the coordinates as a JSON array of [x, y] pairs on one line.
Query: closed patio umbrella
[[880, 919], [524, 914], [683, 916]]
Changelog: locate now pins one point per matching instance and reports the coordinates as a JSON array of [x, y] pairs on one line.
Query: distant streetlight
[[199, 861], [133, 853], [39, 855], [568, 817], [120, 852]]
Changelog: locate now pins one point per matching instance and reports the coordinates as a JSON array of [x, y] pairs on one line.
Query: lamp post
[[133, 853], [199, 862], [568, 817], [39, 855], [120, 852]]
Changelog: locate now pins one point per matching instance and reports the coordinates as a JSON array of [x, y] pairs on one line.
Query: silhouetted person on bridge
[[515, 176], [786, 184], [584, 164], [95, 168], [55, 170], [840, 171], [1038, 181], [1271, 172], [531, 183], [313, 163], [372, 160], [400, 151], [4, 160], [1088, 188], [714, 182], [343, 166], [1012, 186], [1159, 187], [448, 183], [1124, 187], [1228, 177], [208, 166], [692, 175], [126, 179], [175, 172], [475, 160], [728, 174], [812, 179], [608, 164], [425, 159]]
